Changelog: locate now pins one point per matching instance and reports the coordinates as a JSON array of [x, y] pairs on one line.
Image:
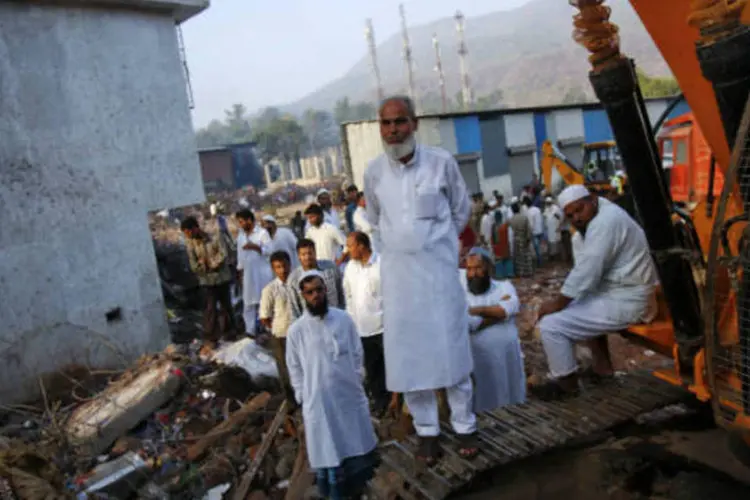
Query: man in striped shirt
[[308, 260]]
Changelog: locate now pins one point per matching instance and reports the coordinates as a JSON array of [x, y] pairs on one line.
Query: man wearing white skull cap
[[610, 287]]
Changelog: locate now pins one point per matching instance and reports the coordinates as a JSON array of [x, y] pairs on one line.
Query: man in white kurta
[[418, 204], [610, 287], [553, 217], [499, 375], [329, 240], [324, 356], [330, 214], [282, 238], [253, 250]]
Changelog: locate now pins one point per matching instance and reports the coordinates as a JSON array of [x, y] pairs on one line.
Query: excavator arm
[[553, 159]]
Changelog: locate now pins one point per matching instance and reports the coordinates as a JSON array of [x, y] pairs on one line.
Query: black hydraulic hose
[[670, 107]]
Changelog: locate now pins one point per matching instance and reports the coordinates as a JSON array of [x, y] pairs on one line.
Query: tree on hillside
[[280, 135], [320, 129], [237, 123], [493, 100], [574, 95], [657, 86], [345, 111]]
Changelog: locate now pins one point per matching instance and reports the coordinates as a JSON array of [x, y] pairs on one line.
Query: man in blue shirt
[[351, 206]]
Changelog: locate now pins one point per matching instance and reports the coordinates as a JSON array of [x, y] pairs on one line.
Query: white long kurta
[[499, 375], [324, 356], [612, 286], [553, 217], [417, 212], [363, 225], [256, 271], [285, 240]]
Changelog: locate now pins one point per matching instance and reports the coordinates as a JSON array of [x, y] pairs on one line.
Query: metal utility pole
[[439, 69], [370, 36], [185, 70], [407, 54], [466, 93]]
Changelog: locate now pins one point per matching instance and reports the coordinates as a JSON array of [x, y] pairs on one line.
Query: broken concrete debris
[[174, 425]]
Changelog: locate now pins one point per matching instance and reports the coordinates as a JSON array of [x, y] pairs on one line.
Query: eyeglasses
[[395, 121]]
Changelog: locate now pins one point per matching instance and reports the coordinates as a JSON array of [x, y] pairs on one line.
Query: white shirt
[[331, 217], [613, 259], [364, 300], [256, 270], [284, 239], [324, 357], [485, 227], [536, 220], [328, 240], [362, 224]]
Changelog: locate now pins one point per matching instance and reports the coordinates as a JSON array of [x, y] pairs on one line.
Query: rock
[[284, 466], [126, 444]]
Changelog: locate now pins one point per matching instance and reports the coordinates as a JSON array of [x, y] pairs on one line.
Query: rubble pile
[[545, 283], [174, 425]]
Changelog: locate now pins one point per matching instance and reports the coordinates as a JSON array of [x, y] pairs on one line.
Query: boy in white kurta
[[324, 357], [499, 376]]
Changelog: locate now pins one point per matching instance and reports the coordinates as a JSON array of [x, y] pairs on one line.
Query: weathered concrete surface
[[94, 132], [180, 10]]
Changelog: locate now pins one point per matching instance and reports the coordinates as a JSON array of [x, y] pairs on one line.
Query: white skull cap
[[308, 274], [572, 193]]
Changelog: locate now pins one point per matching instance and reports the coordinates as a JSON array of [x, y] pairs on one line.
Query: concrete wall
[[95, 131]]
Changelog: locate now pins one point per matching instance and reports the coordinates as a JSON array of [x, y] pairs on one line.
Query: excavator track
[[518, 432]]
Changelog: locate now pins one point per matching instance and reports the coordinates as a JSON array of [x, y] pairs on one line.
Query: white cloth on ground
[[324, 357], [328, 241], [362, 296], [499, 375], [612, 283], [418, 211], [423, 406]]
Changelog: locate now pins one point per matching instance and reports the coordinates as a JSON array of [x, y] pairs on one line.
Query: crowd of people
[[413, 296]]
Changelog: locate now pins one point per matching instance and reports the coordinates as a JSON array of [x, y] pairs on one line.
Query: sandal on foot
[[468, 445], [552, 391], [428, 450]]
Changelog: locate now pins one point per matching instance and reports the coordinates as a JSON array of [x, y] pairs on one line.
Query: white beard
[[397, 151]]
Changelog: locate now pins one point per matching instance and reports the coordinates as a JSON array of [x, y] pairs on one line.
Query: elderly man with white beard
[[418, 204]]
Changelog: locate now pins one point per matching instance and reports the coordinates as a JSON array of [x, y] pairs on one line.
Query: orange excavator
[[702, 253]]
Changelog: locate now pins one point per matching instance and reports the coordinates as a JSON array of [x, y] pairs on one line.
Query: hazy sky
[[237, 50]]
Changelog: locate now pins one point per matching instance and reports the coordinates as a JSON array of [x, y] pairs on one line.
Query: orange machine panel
[[666, 22]]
